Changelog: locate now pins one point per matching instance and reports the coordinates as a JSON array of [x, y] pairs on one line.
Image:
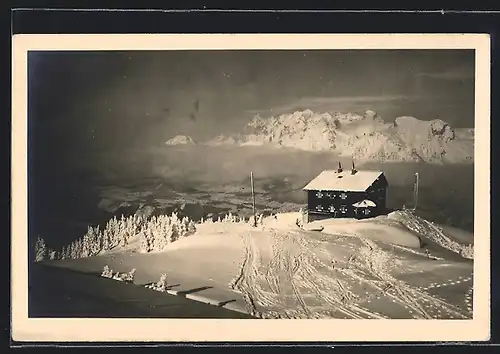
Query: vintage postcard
[[251, 187]]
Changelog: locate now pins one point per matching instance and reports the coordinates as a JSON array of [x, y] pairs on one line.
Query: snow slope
[[370, 269], [362, 137]]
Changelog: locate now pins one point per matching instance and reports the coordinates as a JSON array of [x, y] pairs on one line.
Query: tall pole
[[253, 200], [415, 192]]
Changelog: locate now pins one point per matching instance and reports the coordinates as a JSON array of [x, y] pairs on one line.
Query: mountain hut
[[346, 194]]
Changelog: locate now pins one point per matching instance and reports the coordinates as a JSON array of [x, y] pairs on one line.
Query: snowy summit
[[180, 140], [364, 137]]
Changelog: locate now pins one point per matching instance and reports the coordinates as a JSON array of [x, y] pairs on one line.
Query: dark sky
[[115, 99]]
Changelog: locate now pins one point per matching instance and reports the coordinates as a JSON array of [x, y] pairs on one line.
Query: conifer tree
[[129, 277], [169, 235], [159, 241], [77, 248], [40, 249], [191, 226], [105, 240], [161, 285], [73, 250], [145, 248], [107, 272], [63, 252], [85, 245], [150, 237]]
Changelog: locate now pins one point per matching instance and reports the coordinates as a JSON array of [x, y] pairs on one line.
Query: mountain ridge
[[364, 137]]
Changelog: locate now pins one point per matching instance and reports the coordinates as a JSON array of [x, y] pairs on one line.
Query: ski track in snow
[[294, 283]]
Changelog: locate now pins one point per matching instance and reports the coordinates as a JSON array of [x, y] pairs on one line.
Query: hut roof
[[344, 180]]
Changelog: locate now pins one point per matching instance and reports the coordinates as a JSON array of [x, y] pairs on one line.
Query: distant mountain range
[[180, 140], [361, 137]]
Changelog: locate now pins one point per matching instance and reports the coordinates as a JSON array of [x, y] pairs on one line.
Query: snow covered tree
[[154, 233], [73, 250], [467, 252], [144, 247], [95, 241], [107, 272], [181, 228], [147, 241], [40, 249], [159, 242], [79, 248], [62, 254], [68, 252], [191, 226], [129, 277], [85, 245], [161, 285], [52, 254], [105, 240], [169, 235]]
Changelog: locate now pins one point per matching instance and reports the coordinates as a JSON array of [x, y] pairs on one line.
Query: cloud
[[453, 74], [336, 102]]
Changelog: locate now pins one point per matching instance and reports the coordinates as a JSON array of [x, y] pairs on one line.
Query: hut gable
[[333, 180]]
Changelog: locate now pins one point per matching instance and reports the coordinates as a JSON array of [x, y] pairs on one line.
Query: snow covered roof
[[344, 181]]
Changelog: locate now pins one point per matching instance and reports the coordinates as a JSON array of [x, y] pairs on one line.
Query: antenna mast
[[253, 200], [415, 192]]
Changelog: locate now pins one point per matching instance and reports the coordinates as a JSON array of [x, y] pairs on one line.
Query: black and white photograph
[[287, 183]]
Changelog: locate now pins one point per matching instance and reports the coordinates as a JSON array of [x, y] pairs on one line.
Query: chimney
[[353, 171], [340, 168]]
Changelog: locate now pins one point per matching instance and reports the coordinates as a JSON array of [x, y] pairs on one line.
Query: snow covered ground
[[352, 269]]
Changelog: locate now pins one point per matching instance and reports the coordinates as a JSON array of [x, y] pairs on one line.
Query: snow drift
[[362, 137]]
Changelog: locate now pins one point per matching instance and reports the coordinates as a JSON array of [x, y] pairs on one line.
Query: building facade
[[346, 194]]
